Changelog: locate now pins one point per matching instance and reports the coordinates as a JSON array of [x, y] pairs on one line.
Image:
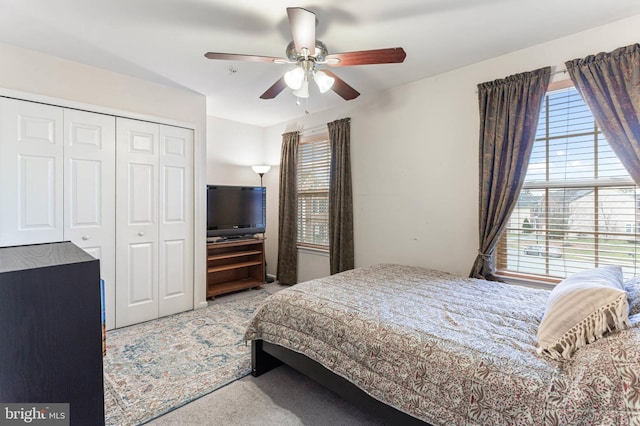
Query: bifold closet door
[[137, 144], [175, 277], [154, 221], [31, 176], [59, 180], [89, 192]]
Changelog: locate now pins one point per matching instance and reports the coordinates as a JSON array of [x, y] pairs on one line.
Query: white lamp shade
[[303, 91], [323, 81], [294, 78], [261, 169]]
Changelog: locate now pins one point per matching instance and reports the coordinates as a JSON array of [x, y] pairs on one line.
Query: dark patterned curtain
[[509, 112], [341, 253], [288, 210], [610, 85]]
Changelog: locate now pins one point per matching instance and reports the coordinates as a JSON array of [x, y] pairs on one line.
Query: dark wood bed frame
[[266, 356]]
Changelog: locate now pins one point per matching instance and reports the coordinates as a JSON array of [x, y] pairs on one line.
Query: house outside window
[[578, 208], [314, 157]]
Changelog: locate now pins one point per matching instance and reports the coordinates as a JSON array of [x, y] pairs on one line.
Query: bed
[[420, 345]]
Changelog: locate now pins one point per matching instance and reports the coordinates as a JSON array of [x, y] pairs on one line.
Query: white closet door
[[89, 192], [30, 172], [136, 221], [176, 220]]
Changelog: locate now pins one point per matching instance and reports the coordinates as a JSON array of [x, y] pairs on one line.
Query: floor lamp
[[261, 170]]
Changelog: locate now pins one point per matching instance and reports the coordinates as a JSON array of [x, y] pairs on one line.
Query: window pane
[[567, 114], [571, 158], [609, 165], [313, 213]]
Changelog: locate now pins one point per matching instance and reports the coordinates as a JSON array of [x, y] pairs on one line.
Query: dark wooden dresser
[[50, 329]]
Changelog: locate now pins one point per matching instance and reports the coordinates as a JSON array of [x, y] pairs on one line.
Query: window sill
[[313, 250], [526, 282]]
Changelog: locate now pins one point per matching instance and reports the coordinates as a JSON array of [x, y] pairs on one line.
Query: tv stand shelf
[[234, 265]]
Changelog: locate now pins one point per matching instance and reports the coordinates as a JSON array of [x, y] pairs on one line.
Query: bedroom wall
[[49, 78], [232, 148], [32, 72], [415, 155]]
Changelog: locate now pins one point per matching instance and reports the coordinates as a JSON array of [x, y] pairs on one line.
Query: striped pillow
[[581, 309]]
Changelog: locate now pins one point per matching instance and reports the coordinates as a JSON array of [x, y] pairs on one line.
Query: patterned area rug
[[160, 365]]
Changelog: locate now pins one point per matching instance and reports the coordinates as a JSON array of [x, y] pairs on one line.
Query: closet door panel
[[136, 221], [37, 193], [142, 273], [89, 192], [173, 272], [176, 220], [141, 201], [31, 165]]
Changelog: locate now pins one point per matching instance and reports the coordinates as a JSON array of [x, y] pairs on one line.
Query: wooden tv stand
[[235, 265]]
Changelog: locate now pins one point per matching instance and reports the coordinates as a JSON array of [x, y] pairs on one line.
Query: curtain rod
[[562, 71], [312, 130]]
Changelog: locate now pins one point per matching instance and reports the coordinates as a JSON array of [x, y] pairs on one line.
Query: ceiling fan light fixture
[[323, 81], [303, 91], [294, 78]]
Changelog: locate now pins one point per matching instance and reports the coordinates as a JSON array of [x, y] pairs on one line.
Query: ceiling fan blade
[[238, 57], [341, 88], [392, 55], [274, 90], [303, 29]]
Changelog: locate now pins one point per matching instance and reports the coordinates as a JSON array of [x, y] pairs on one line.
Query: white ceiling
[[165, 40]]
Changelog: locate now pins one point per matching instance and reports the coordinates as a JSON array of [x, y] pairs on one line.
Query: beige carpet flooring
[[281, 397]]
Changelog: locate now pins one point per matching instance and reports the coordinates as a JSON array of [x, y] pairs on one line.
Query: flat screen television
[[236, 211]]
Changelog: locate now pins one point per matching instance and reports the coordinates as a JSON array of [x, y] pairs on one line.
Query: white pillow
[[581, 309]]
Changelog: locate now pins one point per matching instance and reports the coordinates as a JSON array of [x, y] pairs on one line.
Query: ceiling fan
[[308, 53]]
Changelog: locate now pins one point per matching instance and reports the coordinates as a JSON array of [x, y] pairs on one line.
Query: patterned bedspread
[[452, 350]]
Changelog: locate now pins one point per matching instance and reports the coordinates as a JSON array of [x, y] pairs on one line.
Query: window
[[578, 208], [314, 157]]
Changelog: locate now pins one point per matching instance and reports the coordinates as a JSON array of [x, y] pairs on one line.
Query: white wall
[[415, 154], [232, 148], [32, 72], [36, 76]]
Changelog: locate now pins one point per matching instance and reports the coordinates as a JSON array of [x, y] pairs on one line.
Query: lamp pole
[[261, 170]]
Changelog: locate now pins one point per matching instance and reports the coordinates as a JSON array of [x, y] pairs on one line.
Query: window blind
[[314, 157], [579, 208]]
